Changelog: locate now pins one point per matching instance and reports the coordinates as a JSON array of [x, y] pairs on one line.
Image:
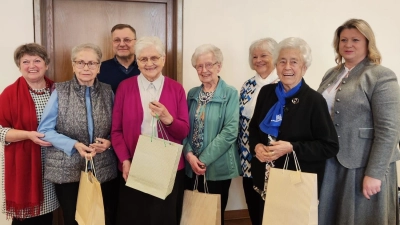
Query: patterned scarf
[[23, 164], [273, 119]]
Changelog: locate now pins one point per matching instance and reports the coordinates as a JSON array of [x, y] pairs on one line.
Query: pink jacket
[[128, 116]]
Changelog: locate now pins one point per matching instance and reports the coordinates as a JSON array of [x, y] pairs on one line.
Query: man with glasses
[[124, 64]]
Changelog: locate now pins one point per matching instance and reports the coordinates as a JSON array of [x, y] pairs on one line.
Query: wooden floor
[[237, 217], [238, 222]]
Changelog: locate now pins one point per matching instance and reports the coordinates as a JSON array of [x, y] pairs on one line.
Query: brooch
[[295, 100]]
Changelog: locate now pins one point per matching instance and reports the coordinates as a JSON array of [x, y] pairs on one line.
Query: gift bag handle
[[91, 165], [164, 135], [196, 181], [296, 162]]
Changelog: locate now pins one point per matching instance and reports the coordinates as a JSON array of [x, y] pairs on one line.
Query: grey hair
[[149, 41], [207, 48], [81, 47], [295, 43], [264, 44]]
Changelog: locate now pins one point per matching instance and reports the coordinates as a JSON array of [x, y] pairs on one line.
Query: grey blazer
[[366, 114]]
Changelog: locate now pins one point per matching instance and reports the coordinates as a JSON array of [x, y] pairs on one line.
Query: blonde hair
[[365, 29]]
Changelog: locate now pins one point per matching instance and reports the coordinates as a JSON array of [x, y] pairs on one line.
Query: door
[[62, 24]]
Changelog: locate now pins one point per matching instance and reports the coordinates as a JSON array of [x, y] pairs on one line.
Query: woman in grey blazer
[[360, 183]]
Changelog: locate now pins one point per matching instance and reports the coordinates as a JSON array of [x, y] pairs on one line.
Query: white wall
[[16, 27], [233, 24]]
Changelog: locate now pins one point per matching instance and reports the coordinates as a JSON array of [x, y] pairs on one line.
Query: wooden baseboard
[[236, 214]]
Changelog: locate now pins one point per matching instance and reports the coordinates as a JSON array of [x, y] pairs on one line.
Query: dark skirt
[[342, 201], [136, 207]]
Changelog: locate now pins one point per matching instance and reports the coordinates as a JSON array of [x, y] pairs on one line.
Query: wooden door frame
[[44, 32]]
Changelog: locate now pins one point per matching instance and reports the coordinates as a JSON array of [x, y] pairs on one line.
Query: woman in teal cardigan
[[211, 149]]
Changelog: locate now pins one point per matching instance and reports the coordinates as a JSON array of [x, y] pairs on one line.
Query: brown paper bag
[[89, 206], [292, 197], [201, 208], [154, 165]]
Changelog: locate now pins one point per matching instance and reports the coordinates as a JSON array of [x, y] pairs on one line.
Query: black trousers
[[67, 195], [45, 219], [252, 200], [214, 187], [136, 207]]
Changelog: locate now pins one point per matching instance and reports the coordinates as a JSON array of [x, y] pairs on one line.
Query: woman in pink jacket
[[138, 100]]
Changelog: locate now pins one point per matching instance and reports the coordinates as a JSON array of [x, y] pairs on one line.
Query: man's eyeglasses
[[153, 59], [208, 66], [125, 40], [82, 64]]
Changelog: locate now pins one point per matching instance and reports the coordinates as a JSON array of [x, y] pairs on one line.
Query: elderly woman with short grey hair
[[139, 100], [77, 122], [260, 60], [290, 117], [211, 147]]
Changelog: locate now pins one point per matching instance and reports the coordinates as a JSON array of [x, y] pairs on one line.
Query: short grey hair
[[205, 49], [264, 44], [149, 41], [81, 47], [295, 43]]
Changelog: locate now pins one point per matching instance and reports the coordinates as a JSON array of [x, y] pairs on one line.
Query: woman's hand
[[100, 145], [198, 167], [126, 166], [159, 109], [278, 149], [35, 137], [371, 186], [84, 150], [262, 153]]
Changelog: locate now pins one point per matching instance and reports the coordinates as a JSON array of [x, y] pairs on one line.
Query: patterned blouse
[[247, 103], [50, 202], [198, 127]]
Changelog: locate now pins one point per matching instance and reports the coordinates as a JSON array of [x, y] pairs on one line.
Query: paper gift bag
[[154, 165], [201, 208], [89, 206], [292, 197]]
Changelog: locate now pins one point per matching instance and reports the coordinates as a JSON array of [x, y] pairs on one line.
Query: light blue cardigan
[[220, 150]]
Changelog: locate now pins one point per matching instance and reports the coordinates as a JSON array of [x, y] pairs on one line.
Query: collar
[[132, 64], [272, 78], [145, 83]]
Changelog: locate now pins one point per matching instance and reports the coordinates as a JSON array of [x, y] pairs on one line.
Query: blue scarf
[[272, 121]]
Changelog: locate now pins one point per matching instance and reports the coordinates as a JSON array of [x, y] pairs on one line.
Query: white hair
[[295, 43], [149, 41], [207, 48], [264, 44], [75, 50]]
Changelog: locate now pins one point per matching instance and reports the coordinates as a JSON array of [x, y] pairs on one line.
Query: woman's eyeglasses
[[208, 66], [82, 64]]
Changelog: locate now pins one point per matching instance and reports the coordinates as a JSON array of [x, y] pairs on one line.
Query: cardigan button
[[337, 124], [343, 82], [339, 89], [337, 112], [338, 100], [338, 136]]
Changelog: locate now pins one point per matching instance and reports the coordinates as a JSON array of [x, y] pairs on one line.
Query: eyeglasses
[[153, 59], [208, 66], [82, 64], [125, 40]]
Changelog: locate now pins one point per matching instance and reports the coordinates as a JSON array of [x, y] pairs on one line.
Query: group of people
[[346, 132]]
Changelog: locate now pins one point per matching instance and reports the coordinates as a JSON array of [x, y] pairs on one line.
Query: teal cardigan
[[220, 150]]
